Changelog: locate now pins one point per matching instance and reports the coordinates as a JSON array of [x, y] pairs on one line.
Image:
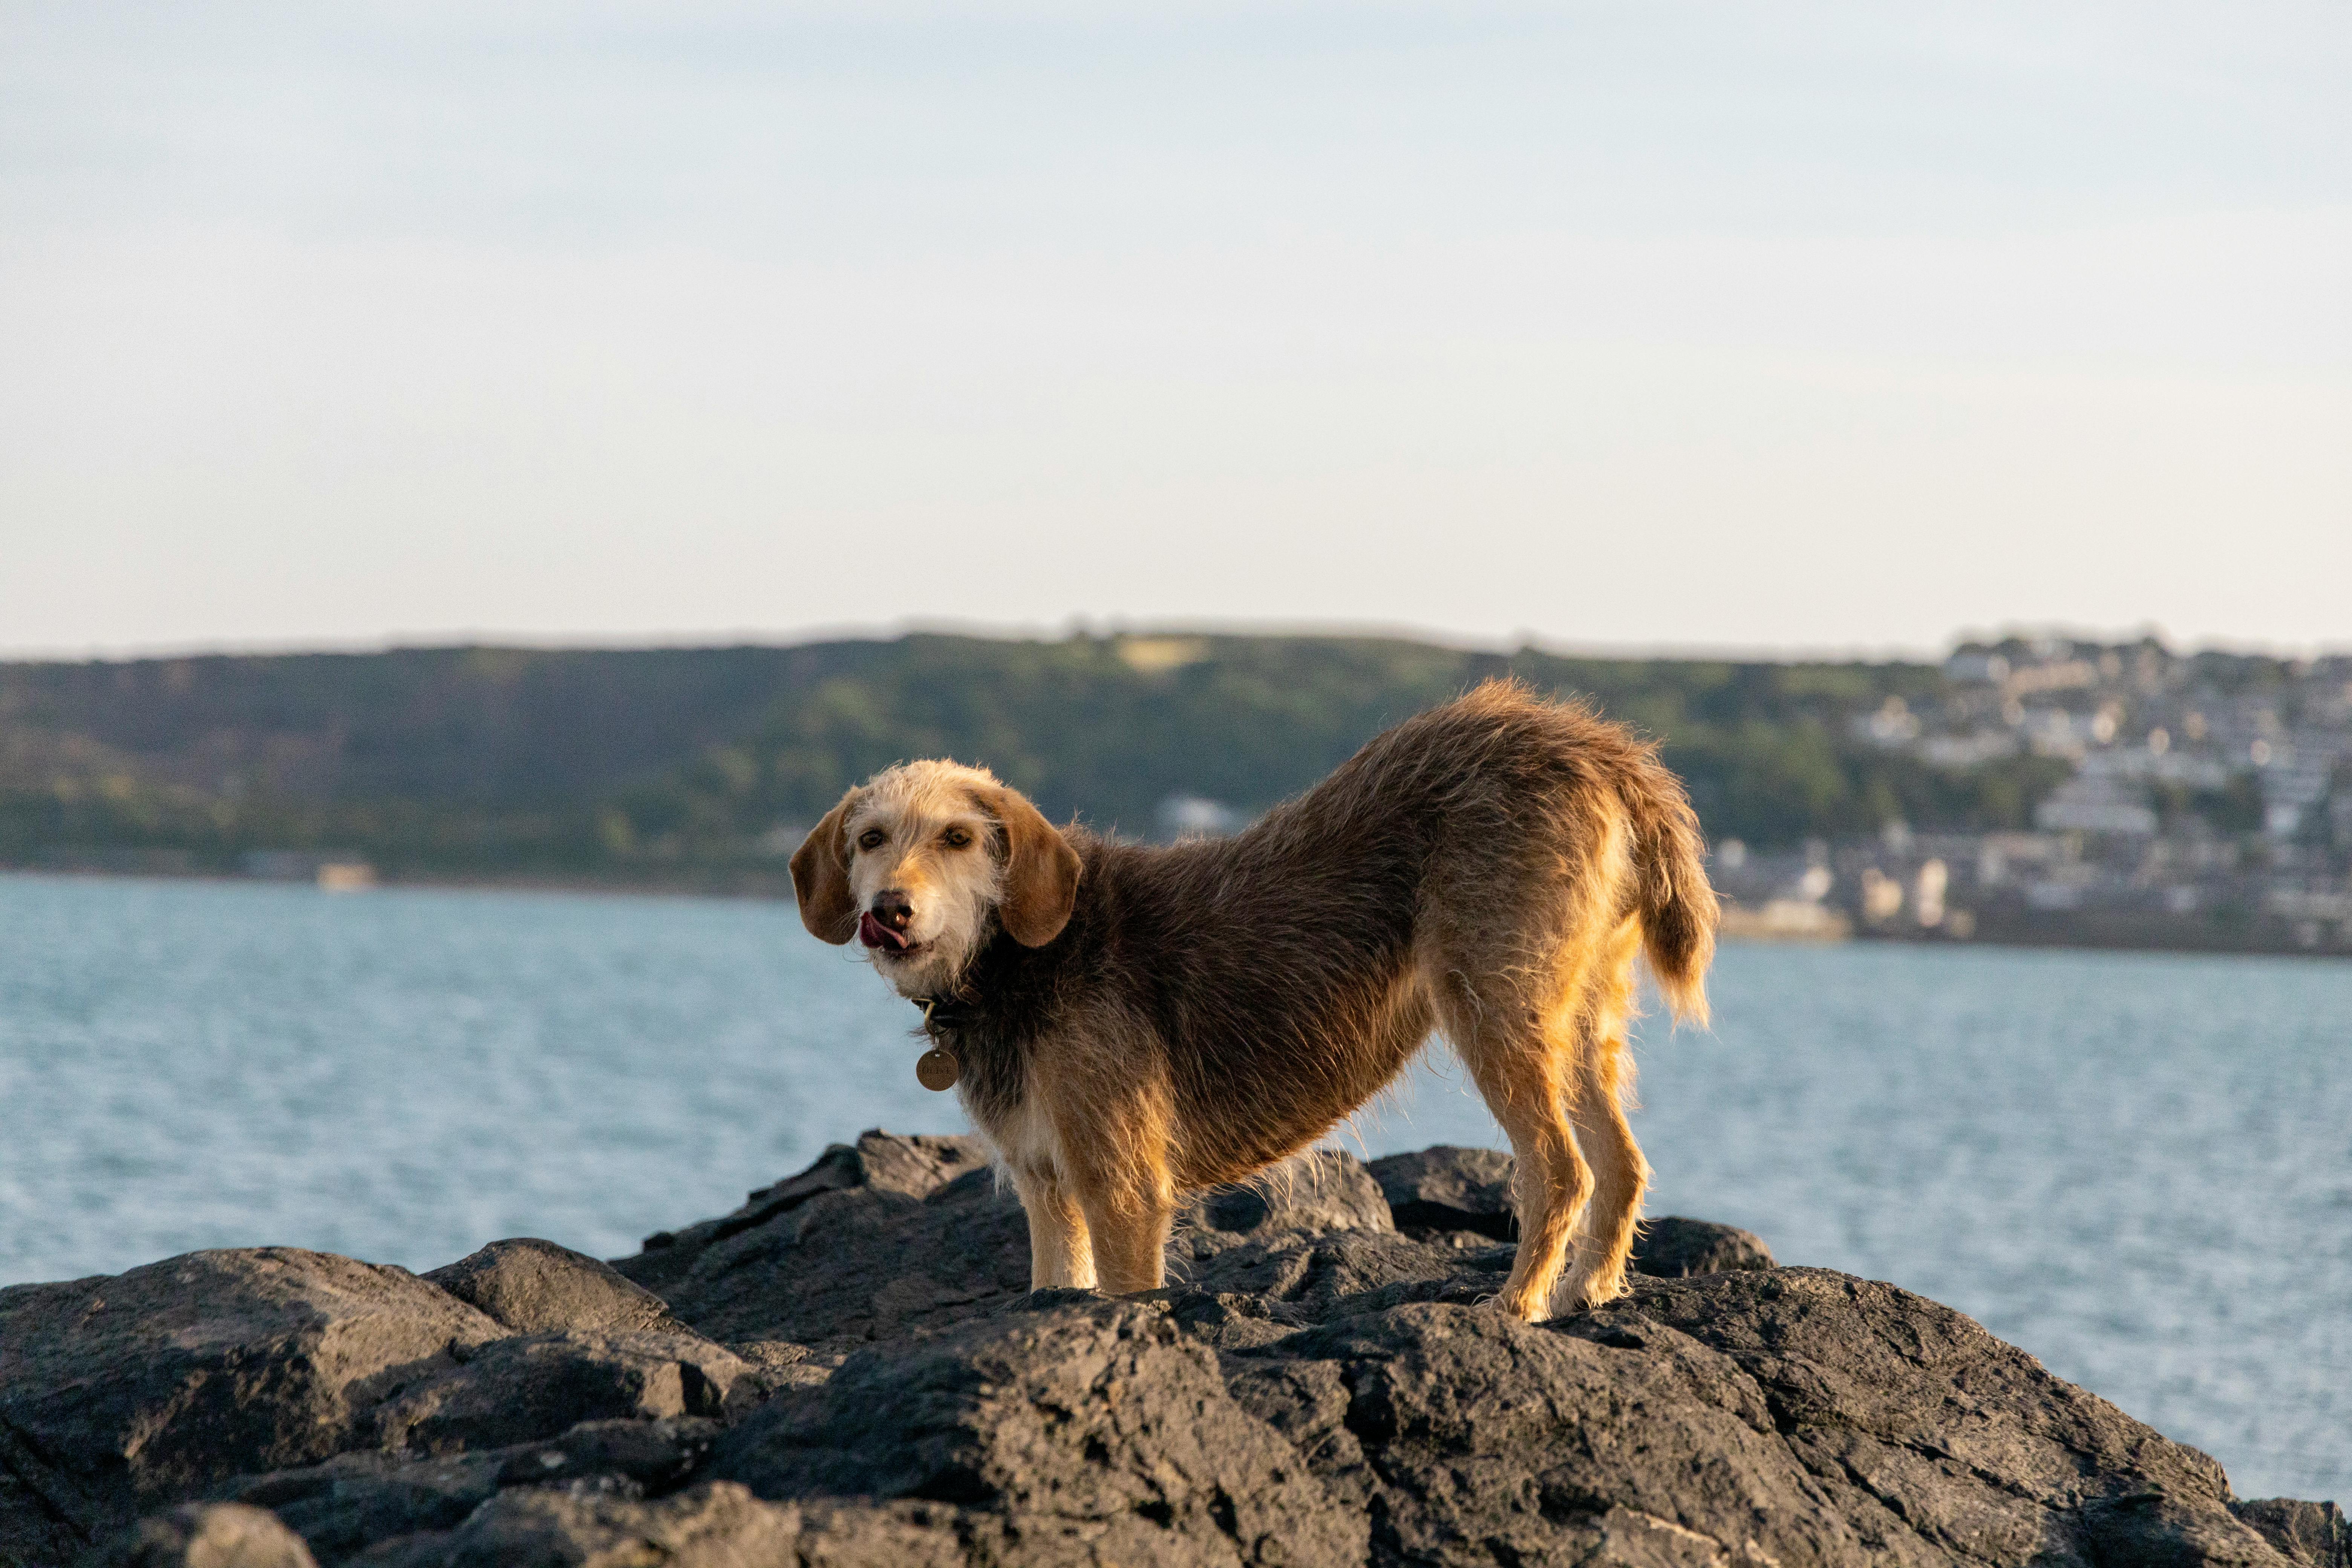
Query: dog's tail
[[1676, 903]]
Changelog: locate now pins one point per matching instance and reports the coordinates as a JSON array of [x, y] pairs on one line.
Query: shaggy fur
[[1134, 1023]]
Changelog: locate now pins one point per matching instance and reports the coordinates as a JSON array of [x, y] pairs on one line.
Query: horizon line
[[1115, 627]]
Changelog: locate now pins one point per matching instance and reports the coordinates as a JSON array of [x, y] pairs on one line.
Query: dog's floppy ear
[[1041, 869], [821, 878]]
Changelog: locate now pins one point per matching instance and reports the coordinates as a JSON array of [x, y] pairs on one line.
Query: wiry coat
[[1489, 867]]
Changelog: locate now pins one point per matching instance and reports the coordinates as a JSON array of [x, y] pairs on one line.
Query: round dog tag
[[936, 1069]]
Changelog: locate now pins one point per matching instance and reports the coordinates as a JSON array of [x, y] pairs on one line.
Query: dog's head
[[924, 863]]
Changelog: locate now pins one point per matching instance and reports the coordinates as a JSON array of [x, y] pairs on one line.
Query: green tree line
[[490, 762]]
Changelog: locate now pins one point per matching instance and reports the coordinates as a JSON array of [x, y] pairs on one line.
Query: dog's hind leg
[[1061, 1253], [1604, 1242], [1598, 1088], [1509, 1049]]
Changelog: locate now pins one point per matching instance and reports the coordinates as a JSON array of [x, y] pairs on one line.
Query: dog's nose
[[894, 909]]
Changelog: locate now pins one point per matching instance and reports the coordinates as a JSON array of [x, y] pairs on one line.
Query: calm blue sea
[[2138, 1167]]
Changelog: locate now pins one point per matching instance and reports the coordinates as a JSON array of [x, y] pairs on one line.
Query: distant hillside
[[703, 764]]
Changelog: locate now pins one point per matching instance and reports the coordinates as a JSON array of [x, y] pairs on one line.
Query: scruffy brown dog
[[1132, 1023]]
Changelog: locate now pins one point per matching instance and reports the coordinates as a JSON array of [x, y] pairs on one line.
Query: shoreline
[[761, 887], [2082, 935]]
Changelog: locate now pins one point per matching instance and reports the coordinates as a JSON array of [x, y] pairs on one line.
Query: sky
[[1659, 325]]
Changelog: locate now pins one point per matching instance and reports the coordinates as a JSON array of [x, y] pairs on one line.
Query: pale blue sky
[[1830, 326]]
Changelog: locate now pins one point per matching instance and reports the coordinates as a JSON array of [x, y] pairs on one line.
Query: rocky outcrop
[[123, 1393], [850, 1370], [534, 1287], [2303, 1531]]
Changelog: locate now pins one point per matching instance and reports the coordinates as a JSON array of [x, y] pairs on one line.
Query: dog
[[1125, 1023]]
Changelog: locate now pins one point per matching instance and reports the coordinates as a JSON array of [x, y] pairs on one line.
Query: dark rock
[[344, 1506], [1087, 1431], [1673, 1426], [2310, 1534], [2152, 1528], [1314, 1227], [1447, 1188], [1229, 1322], [1323, 1267], [879, 1161], [532, 1286], [1931, 1434], [1326, 1383], [651, 1455], [775, 1365], [1444, 1190], [1458, 1430], [534, 1385], [1675, 1248], [1624, 1433], [353, 1500], [850, 1265], [714, 1526], [836, 1534], [118, 1393], [1306, 1194], [213, 1535]]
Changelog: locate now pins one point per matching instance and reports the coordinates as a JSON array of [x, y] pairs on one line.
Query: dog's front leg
[[1103, 1092], [1130, 1238], [1061, 1252]]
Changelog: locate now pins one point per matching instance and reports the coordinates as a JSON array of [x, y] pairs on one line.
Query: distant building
[[1976, 666], [1892, 725], [1960, 752], [2095, 803], [336, 870]]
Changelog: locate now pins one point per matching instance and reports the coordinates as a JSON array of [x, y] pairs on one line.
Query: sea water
[[2138, 1167]]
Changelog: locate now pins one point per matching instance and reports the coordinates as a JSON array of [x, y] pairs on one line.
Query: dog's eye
[[871, 838], [956, 838]]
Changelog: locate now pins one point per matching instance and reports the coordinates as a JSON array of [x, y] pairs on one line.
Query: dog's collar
[[944, 1014]]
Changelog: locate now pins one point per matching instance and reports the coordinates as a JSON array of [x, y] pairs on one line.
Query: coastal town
[[2209, 806]]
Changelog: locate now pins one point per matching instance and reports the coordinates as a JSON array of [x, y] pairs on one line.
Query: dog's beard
[[918, 976], [936, 965]]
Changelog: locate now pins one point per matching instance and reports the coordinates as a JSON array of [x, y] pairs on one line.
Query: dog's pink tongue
[[874, 933]]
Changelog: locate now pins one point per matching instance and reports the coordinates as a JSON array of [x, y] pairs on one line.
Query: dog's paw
[[1527, 1306], [1575, 1296]]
